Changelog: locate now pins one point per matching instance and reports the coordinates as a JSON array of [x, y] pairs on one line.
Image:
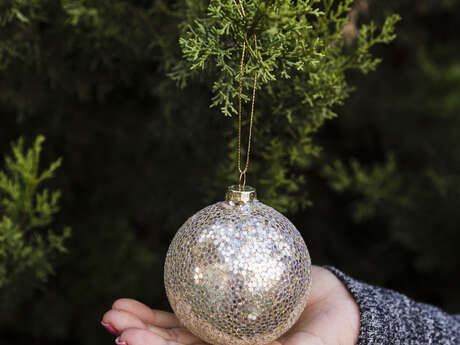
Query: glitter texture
[[238, 274]]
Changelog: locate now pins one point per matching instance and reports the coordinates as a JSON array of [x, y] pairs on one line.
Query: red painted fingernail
[[110, 328], [120, 342]]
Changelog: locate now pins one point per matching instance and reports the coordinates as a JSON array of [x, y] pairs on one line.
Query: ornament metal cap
[[239, 194]]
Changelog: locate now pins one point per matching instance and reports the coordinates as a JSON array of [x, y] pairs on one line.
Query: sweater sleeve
[[390, 318]]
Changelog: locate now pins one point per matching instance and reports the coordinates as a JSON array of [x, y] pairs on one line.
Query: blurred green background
[[141, 155]]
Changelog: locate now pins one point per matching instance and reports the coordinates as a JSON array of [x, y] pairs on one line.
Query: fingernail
[[110, 328], [120, 342]]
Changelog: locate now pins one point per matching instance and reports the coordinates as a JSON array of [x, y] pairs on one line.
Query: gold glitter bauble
[[238, 272]]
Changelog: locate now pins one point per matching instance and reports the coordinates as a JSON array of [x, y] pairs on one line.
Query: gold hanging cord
[[242, 172]]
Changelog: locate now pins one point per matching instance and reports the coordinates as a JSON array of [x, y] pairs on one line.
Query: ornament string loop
[[242, 177], [241, 171]]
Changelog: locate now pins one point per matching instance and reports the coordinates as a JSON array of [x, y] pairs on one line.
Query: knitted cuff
[[390, 318]]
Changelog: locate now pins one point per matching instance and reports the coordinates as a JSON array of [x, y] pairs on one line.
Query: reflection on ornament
[[238, 272]]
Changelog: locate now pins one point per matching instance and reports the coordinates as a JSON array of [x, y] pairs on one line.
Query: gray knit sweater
[[390, 318]]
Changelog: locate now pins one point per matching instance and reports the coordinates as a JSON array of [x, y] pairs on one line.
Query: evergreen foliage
[[301, 58], [27, 244], [100, 79], [298, 41]]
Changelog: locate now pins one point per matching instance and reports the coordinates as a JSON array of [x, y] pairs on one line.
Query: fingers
[[119, 321], [135, 336], [176, 335], [157, 318], [116, 321]]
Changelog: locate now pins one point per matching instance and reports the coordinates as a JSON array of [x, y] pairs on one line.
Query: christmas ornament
[[238, 272]]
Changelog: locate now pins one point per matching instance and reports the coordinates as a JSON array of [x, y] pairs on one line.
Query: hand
[[330, 318]]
